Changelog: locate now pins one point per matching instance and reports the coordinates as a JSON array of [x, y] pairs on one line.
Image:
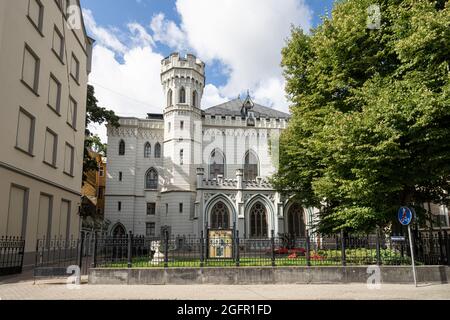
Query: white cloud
[[102, 35], [212, 96], [245, 36], [131, 86], [167, 32]]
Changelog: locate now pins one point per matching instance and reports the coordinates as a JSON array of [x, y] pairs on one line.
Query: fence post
[[80, 249], [237, 249], [308, 250], [166, 249], [272, 242], [378, 248], [94, 258], [441, 250], [129, 255], [202, 250], [447, 246], [344, 259]]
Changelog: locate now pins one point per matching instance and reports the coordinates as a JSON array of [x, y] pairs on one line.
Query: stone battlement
[[188, 62]]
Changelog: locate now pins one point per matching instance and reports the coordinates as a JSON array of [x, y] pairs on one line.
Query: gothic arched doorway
[[119, 231], [220, 216], [296, 222]]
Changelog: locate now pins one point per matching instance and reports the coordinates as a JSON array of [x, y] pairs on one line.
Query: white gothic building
[[188, 170]]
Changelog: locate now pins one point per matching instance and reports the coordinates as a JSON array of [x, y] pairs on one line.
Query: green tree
[[370, 127], [98, 115]]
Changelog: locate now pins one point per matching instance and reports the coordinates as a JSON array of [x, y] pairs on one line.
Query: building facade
[[188, 170], [44, 67]]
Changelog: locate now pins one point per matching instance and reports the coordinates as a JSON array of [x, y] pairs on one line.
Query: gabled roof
[[234, 108]]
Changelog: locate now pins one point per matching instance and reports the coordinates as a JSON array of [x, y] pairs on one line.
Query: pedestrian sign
[[405, 216]]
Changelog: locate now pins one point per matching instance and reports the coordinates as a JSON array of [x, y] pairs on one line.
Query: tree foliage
[[98, 115], [370, 127]]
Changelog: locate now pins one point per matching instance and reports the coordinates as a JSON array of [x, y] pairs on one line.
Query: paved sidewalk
[[46, 291]]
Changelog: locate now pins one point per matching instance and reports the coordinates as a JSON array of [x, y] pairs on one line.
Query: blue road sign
[[405, 216]]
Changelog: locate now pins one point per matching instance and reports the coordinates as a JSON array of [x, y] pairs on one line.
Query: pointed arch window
[[151, 179], [169, 98], [296, 223], [194, 98], [121, 148], [157, 150], [182, 95], [250, 166], [220, 216], [216, 164], [147, 150], [258, 221]]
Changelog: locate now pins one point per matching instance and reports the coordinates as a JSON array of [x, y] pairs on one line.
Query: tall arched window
[[182, 98], [296, 223], [258, 221], [250, 166], [216, 164], [151, 179], [169, 98], [121, 148], [220, 216], [157, 150], [147, 150], [181, 157], [194, 98]]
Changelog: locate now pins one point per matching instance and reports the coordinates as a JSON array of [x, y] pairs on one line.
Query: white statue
[[158, 257]]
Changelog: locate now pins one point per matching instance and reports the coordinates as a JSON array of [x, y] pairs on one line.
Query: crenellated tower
[[183, 81]]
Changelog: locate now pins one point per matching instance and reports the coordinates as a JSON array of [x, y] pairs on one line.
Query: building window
[[167, 209], [150, 229], [50, 147], [216, 164], [250, 166], [119, 206], [194, 98], [169, 98], [72, 113], [181, 208], [58, 44], [296, 223], [258, 221], [151, 179], [220, 216], [25, 132], [181, 125], [169, 127], [147, 150], [151, 209], [54, 94], [68, 159], [182, 95], [17, 212], [75, 68], [181, 157], [30, 69], [120, 176], [157, 150], [65, 219], [121, 148], [36, 14]]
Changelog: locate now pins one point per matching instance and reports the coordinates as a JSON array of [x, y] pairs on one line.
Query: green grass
[[319, 258]]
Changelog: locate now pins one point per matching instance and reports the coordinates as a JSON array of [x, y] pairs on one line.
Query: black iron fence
[[191, 251], [11, 255]]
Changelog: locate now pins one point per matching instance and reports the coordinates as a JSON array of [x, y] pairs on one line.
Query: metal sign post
[[405, 217]]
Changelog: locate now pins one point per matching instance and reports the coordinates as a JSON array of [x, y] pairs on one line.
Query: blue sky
[[239, 40]]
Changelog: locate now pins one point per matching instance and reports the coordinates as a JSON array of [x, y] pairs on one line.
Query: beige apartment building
[[45, 59]]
